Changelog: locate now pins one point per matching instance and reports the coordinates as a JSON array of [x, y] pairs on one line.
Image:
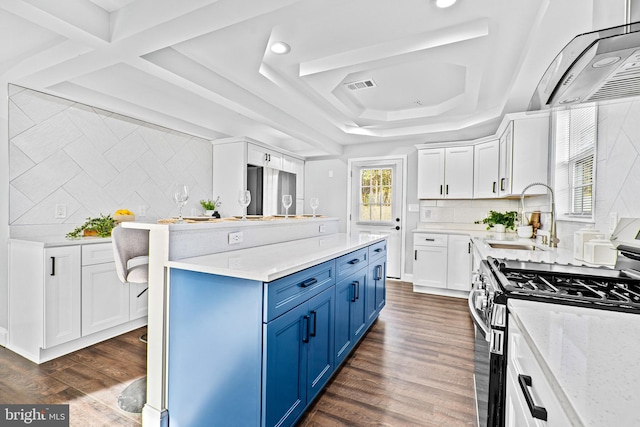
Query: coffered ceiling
[[204, 66]]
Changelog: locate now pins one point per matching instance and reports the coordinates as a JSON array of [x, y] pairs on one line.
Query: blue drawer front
[[377, 250], [284, 294], [351, 262]]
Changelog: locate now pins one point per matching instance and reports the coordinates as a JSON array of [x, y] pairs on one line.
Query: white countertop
[[592, 355], [271, 262], [482, 237], [58, 240]]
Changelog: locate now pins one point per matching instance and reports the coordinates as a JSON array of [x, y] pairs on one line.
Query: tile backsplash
[[93, 161]]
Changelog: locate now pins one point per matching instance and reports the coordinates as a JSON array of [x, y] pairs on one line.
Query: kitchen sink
[[520, 247]]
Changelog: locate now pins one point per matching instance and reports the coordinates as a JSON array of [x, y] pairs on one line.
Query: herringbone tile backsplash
[[93, 161]]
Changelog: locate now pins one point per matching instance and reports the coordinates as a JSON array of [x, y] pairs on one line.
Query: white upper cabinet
[[445, 173], [485, 169], [260, 156], [524, 156], [230, 160], [431, 173]]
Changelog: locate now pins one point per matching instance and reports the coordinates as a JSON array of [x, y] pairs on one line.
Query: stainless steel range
[[615, 289]]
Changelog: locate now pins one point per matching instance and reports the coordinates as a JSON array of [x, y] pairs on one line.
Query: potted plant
[[500, 221], [101, 226], [210, 207]]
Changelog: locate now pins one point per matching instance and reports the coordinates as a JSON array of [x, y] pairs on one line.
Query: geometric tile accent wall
[[94, 161], [618, 161]]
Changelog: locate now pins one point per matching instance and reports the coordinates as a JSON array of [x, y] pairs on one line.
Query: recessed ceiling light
[[444, 3], [280, 48]]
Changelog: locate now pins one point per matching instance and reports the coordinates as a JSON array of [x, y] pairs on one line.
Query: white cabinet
[[529, 398], [430, 260], [445, 173], [105, 300], [61, 295], [230, 159], [64, 298], [441, 261], [459, 262], [486, 163], [524, 151], [260, 156]]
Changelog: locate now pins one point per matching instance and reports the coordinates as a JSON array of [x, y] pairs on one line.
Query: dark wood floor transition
[[413, 368]]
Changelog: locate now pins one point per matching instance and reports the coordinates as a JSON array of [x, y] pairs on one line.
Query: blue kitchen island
[[255, 334]]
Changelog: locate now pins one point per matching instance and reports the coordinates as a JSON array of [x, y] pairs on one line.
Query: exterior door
[[376, 205]]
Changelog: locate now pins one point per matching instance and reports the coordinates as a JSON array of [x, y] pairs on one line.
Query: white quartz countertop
[[271, 262], [590, 354], [58, 240]]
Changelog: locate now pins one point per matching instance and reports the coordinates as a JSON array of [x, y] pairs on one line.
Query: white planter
[[499, 228]]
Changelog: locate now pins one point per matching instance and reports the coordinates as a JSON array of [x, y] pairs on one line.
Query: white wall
[[94, 162]]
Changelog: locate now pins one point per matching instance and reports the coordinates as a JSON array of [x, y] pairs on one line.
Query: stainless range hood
[[595, 66]]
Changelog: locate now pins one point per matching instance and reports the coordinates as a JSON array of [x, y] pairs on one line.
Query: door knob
[[397, 227]]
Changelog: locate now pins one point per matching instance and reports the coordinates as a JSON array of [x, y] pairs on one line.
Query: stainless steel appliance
[[500, 279], [594, 66], [267, 186]]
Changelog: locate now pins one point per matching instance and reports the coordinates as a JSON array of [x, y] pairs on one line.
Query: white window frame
[[574, 144], [379, 203]]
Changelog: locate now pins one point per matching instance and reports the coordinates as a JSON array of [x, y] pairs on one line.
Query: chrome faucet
[[553, 238]]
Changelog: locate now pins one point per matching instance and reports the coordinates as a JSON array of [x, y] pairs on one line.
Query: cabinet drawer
[[351, 262], [284, 294], [97, 253], [430, 239], [377, 250]]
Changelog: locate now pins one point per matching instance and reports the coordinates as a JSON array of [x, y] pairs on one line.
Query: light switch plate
[[61, 211]]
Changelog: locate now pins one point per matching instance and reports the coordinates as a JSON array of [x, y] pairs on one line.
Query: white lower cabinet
[[105, 301], [61, 295], [430, 260], [441, 261], [529, 399], [65, 298]]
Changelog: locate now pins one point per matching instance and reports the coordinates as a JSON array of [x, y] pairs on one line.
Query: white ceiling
[[204, 67]]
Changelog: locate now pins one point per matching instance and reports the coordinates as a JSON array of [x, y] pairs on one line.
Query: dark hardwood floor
[[413, 368]]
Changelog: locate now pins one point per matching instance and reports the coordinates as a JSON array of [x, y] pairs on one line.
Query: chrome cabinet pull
[[538, 412]]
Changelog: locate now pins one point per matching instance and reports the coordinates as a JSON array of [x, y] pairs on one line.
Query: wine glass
[[244, 199], [286, 202], [314, 202], [180, 197]]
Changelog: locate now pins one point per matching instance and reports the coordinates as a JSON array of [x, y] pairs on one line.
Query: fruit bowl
[[124, 218]]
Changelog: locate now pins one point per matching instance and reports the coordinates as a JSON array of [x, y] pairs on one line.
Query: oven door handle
[[474, 315]]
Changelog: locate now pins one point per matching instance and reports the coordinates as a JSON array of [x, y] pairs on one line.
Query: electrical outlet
[[321, 228], [142, 210], [235, 237], [61, 211]]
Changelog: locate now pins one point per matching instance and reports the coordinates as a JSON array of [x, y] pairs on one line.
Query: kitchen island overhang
[[252, 343]]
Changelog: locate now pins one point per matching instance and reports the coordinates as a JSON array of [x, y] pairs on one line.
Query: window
[[375, 195], [575, 138]]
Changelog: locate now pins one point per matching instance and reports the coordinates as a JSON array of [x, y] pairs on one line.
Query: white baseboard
[[440, 291], [407, 278]]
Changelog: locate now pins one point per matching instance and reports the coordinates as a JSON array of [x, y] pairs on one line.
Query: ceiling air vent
[[361, 84]]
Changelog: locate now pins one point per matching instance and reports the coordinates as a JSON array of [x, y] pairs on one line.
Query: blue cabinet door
[[375, 296], [350, 313], [285, 379], [343, 336], [321, 358]]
